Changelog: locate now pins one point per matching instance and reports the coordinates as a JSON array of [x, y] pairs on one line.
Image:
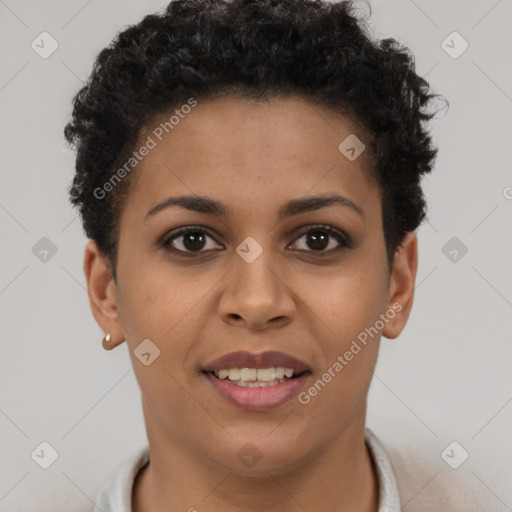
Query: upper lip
[[243, 359]]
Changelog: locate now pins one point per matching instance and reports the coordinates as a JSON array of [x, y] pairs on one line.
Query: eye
[[191, 238], [317, 237]]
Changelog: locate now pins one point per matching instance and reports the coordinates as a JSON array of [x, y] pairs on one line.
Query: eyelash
[[339, 236]]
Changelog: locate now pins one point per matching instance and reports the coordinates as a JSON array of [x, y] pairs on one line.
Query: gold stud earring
[[106, 342]]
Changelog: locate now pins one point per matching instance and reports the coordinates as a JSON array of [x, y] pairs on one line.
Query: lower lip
[[257, 399]]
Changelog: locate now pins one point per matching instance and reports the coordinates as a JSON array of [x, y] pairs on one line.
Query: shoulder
[[426, 482]]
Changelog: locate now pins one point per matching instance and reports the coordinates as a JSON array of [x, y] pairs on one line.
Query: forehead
[[245, 149]]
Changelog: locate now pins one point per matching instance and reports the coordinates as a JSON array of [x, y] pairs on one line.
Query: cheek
[[155, 299], [349, 349], [350, 300], [348, 333], [165, 309]]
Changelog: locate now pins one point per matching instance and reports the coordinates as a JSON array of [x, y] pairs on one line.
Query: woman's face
[[258, 278]]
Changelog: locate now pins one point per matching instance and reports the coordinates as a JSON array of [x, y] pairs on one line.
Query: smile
[[255, 394], [256, 382], [256, 377]]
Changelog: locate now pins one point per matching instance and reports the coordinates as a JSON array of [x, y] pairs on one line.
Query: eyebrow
[[204, 204]]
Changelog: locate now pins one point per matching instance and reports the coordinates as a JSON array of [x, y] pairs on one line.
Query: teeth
[[255, 377], [266, 374], [279, 372], [256, 384], [233, 374], [248, 374]]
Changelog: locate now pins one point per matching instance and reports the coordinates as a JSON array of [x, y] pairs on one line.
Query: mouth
[[257, 382], [256, 377]]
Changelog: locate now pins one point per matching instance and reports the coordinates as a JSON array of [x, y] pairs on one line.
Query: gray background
[[446, 378]]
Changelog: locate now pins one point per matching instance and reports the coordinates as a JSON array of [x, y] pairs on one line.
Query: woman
[[248, 173]]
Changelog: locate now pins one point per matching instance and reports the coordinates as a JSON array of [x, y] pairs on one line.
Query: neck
[[342, 477]]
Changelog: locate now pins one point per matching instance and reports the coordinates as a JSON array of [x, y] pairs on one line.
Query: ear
[[102, 292], [401, 285]]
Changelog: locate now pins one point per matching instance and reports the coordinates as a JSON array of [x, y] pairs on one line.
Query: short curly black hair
[[259, 49]]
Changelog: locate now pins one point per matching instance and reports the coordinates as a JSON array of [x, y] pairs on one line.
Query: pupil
[[317, 239], [194, 240]]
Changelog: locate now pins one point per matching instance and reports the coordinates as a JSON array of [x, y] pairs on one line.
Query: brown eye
[[189, 240], [195, 240], [319, 238]]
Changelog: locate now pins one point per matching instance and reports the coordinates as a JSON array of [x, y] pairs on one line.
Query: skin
[[253, 157]]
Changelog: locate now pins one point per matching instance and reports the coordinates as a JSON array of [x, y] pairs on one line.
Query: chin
[[247, 456]]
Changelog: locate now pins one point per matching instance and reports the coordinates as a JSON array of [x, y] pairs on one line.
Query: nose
[[256, 295]]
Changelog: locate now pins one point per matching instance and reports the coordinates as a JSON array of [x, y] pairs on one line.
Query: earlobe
[[401, 286], [102, 293]]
